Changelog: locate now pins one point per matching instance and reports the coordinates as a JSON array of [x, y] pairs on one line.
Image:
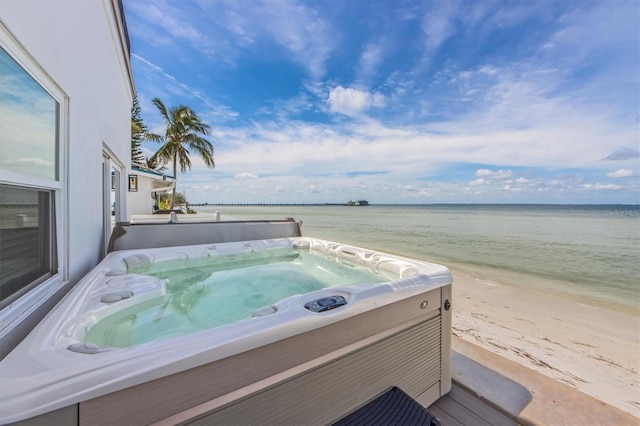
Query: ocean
[[587, 253]]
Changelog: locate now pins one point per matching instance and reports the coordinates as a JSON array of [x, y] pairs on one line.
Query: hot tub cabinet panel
[[312, 378], [371, 322], [409, 359]]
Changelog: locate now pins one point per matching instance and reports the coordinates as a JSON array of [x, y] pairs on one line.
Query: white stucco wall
[[140, 202], [77, 44]]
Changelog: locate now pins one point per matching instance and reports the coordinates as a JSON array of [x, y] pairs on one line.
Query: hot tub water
[[207, 292]]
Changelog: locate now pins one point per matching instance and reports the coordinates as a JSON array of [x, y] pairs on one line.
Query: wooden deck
[[460, 407]]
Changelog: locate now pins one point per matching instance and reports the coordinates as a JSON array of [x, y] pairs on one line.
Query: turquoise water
[[212, 291], [588, 253]]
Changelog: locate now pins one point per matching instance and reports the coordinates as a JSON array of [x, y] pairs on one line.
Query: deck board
[[460, 407], [445, 418], [461, 413]]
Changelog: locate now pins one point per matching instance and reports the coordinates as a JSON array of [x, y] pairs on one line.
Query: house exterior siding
[[79, 49]]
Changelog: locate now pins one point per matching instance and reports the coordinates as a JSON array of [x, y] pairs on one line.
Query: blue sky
[[399, 101]]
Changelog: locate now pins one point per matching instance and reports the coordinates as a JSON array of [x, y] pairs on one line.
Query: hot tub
[[266, 331]]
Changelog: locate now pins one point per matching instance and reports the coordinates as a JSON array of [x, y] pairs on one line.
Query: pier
[[266, 204]]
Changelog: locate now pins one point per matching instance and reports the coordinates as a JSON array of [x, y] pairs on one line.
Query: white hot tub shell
[[286, 363]]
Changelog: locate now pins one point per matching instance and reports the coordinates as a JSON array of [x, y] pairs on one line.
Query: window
[[29, 123], [27, 256], [30, 181]]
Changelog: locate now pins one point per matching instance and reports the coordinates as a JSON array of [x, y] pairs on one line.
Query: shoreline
[[589, 348], [555, 288]]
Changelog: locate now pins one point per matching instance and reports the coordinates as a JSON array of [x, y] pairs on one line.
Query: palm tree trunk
[[175, 181]]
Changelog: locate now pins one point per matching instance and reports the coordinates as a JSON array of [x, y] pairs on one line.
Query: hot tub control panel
[[326, 303]]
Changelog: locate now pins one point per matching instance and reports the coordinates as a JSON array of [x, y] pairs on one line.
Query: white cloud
[[283, 153], [487, 69], [370, 60], [598, 186], [299, 29], [164, 16], [350, 101], [500, 174], [621, 173], [438, 25], [524, 116], [245, 175]]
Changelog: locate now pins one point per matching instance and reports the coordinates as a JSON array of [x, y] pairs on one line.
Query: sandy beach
[[594, 350]]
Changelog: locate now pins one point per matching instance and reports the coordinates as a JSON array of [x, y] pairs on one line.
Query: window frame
[[40, 290]]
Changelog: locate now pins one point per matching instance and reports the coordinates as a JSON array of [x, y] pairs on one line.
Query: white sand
[[592, 349]]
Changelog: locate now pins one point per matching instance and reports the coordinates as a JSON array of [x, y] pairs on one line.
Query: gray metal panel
[[409, 360], [140, 236]]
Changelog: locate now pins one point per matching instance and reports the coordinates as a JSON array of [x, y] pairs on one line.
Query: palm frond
[[154, 138], [163, 109]]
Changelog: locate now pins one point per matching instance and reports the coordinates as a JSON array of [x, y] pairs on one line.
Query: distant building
[[145, 187]]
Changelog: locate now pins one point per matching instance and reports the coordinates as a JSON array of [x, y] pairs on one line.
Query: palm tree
[[184, 130]]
